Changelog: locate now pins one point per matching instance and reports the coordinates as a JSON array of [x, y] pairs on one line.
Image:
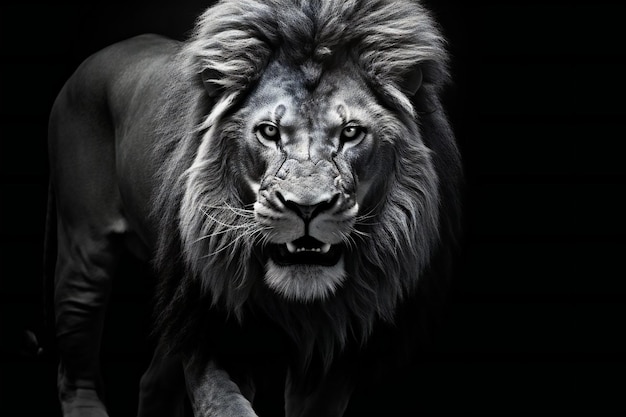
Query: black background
[[537, 313]]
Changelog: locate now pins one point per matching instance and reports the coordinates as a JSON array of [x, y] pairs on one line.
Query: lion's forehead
[[337, 99]]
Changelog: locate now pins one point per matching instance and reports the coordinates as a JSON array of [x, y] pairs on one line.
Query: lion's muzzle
[[307, 249], [308, 210]]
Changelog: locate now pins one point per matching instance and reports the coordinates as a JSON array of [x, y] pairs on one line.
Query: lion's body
[[278, 173], [102, 117], [102, 171]]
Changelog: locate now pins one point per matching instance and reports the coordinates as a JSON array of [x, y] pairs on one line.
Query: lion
[[289, 174]]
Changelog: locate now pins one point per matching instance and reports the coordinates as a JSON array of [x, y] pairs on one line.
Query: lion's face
[[310, 156]]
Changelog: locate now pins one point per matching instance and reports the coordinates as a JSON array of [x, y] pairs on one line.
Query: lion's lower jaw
[[304, 282]]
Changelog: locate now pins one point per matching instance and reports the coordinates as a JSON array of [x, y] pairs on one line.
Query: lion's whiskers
[[362, 219], [346, 239], [252, 233], [359, 234], [265, 237], [246, 227], [242, 212], [250, 229]]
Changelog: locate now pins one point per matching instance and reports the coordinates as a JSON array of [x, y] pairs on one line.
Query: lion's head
[[312, 187], [316, 157]]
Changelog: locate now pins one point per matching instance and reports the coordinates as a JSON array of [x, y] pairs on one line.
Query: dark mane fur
[[200, 194]]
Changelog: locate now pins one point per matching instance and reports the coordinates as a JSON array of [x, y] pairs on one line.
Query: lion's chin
[[304, 282]]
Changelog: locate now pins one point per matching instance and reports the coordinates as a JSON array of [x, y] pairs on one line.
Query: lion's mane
[[206, 264]]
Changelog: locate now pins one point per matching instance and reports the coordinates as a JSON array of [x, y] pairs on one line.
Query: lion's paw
[[83, 403]]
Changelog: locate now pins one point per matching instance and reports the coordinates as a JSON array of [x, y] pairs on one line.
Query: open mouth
[[306, 250]]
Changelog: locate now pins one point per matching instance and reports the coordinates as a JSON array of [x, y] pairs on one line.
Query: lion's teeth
[[291, 247], [294, 249]]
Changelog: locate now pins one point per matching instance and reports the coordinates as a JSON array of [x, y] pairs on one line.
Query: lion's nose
[[308, 211]]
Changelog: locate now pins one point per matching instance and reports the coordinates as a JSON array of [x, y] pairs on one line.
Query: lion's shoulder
[[132, 52], [116, 72]]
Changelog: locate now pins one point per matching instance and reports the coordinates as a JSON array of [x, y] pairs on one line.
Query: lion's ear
[[209, 75], [412, 81]]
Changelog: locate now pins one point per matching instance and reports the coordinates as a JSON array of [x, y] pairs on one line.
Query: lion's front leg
[[162, 388], [212, 392], [329, 399]]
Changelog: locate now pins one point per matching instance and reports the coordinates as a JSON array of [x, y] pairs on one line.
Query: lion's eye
[[268, 131], [351, 133]]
